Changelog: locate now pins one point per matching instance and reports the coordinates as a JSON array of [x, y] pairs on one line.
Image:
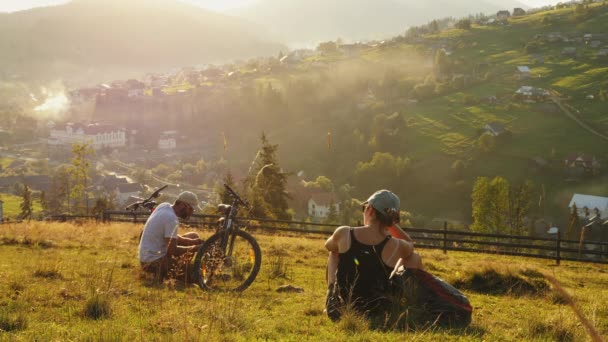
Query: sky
[[217, 5]]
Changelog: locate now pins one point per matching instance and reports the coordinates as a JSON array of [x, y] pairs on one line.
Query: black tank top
[[362, 277]]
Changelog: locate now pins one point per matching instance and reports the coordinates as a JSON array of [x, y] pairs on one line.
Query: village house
[[581, 164], [96, 135], [522, 72], [167, 140], [495, 128], [126, 190], [529, 93], [517, 12], [135, 88], [319, 205], [590, 205], [503, 15], [108, 184]]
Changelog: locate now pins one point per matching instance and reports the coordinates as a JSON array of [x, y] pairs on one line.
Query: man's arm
[[398, 233], [184, 241], [173, 249]]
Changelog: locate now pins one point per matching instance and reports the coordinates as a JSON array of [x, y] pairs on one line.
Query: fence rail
[[441, 239]]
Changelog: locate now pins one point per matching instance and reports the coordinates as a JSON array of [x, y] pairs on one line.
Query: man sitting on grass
[[162, 251]]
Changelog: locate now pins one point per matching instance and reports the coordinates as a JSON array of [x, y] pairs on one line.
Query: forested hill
[[111, 36], [408, 114], [310, 21]]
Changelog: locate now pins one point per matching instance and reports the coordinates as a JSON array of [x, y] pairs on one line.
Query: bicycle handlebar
[[145, 202], [236, 197]]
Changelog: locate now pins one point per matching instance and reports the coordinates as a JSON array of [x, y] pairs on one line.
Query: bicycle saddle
[[224, 208]]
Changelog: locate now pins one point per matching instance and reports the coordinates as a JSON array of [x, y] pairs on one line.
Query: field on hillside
[[51, 272]]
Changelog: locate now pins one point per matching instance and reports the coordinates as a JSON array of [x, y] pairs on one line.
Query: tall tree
[[520, 201], [224, 195], [26, 204], [481, 205], [79, 171], [267, 183], [332, 215], [499, 195], [58, 196]]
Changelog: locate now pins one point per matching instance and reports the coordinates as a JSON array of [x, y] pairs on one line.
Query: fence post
[[558, 244], [445, 237], [134, 217]]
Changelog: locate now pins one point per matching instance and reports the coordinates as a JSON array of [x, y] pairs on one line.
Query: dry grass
[[88, 287]]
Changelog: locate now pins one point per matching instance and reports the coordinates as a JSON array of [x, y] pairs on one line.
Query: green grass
[[12, 205], [93, 290], [5, 162]]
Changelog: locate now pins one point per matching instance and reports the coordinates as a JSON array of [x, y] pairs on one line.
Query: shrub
[[98, 307], [10, 322], [494, 281], [278, 268]]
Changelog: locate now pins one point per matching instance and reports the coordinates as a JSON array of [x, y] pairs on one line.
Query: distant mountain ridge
[[136, 34], [310, 21]]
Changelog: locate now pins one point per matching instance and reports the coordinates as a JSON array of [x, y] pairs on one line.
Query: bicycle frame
[[229, 226], [223, 257]]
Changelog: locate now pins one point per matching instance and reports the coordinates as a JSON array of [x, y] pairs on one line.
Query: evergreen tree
[[26, 204], [332, 215], [574, 224], [102, 204], [267, 183], [224, 195]]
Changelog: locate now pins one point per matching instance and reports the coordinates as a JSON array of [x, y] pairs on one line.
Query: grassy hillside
[[50, 273], [445, 127], [12, 206]]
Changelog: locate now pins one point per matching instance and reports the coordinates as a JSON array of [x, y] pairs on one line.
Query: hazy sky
[[18, 5], [219, 5]]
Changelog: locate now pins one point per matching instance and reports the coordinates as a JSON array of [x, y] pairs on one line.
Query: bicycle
[[147, 203], [231, 258]]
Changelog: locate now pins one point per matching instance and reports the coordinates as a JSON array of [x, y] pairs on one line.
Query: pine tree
[[332, 215], [224, 195], [267, 183], [26, 204], [574, 224]]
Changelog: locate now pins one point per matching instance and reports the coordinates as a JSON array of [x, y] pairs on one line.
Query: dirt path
[[569, 114]]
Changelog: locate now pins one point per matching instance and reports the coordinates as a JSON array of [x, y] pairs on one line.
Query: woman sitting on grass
[[361, 259]]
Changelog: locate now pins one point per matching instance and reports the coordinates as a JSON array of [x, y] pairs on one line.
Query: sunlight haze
[[217, 5]]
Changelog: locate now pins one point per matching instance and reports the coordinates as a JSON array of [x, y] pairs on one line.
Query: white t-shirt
[[160, 225]]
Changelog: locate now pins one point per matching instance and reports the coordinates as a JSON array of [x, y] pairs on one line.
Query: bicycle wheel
[[220, 272]]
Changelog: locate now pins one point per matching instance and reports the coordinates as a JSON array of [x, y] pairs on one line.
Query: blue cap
[[384, 201]]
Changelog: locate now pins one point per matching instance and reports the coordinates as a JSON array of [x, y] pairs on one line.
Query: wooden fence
[[554, 248]]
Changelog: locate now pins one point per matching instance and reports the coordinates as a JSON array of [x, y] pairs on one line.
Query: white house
[[96, 135], [591, 203], [167, 140], [495, 128], [319, 205], [523, 72]]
